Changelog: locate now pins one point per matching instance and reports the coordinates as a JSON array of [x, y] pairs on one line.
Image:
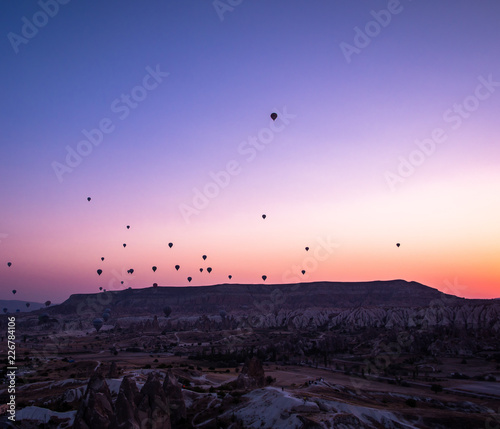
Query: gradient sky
[[332, 174]]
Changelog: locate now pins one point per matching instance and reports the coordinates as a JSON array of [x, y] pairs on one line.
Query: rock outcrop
[[153, 410], [251, 376], [96, 409], [173, 392]]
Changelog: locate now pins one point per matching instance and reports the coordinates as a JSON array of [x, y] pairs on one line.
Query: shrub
[[411, 402]]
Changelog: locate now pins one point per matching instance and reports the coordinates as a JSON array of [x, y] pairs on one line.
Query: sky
[[387, 132]]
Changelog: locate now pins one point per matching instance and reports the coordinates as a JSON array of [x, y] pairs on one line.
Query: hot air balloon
[[97, 324], [107, 310], [14, 291], [189, 279], [303, 272], [121, 282], [102, 258], [47, 303], [105, 316], [17, 310], [128, 226], [130, 271], [222, 313], [5, 310], [124, 244], [307, 249], [263, 216], [201, 270], [167, 310], [230, 276], [397, 244], [99, 271], [209, 269], [177, 267], [43, 318], [154, 268], [264, 278], [9, 264], [274, 116], [88, 198], [170, 245], [204, 257], [155, 284], [100, 287], [28, 305]]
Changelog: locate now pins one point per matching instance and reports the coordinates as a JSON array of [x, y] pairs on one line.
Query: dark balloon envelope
[[9, 264], [264, 278], [47, 303], [307, 249], [397, 244], [88, 198], [170, 245], [124, 244], [229, 276], [189, 279], [100, 288], [128, 226], [130, 271], [303, 272], [97, 324], [154, 268], [201, 270], [28, 305], [204, 257], [5, 310], [105, 316], [209, 269], [167, 310], [263, 216], [99, 271], [155, 284], [14, 291], [102, 259], [274, 116], [177, 267]]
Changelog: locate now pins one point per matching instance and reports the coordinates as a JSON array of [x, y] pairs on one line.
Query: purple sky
[[386, 132]]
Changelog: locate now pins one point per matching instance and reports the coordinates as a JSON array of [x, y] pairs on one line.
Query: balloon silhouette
[[124, 244], [17, 310], [167, 310], [28, 305], [274, 116], [5, 310], [97, 324], [307, 249], [303, 272], [222, 313], [14, 291], [130, 271], [189, 279], [155, 284], [177, 267], [201, 270], [230, 276], [105, 316], [209, 269], [264, 278], [47, 303], [9, 264], [99, 271], [154, 269], [170, 245], [397, 244], [204, 257], [121, 282], [263, 216], [88, 198], [102, 259], [100, 288], [128, 226], [107, 310]]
